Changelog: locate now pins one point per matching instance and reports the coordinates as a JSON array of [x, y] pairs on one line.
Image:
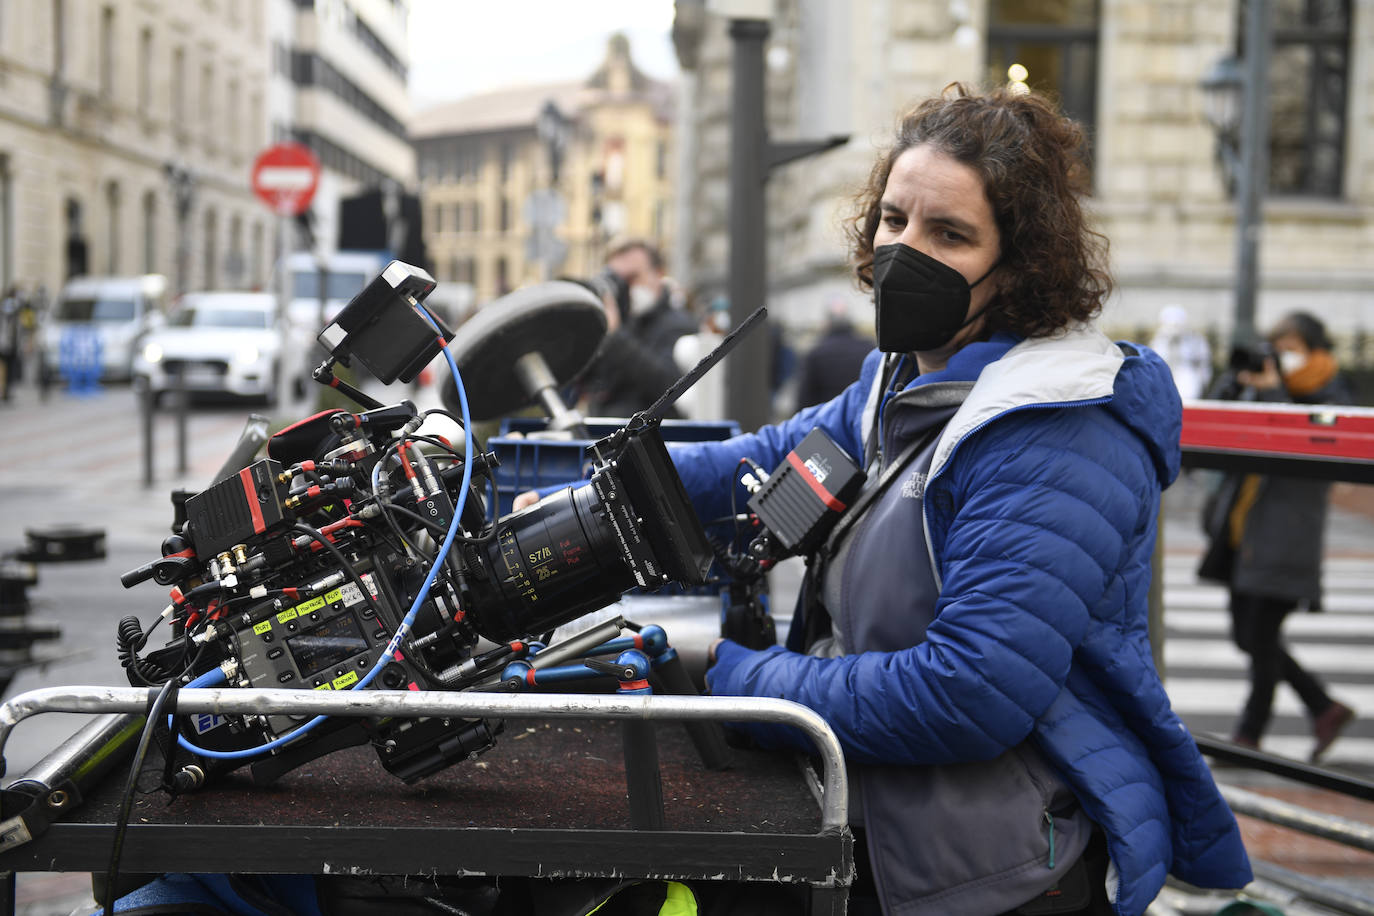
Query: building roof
[[517, 107]]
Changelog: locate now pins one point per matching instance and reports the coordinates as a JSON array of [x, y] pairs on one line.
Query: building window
[[455, 269], [503, 222], [502, 278], [149, 232], [145, 72], [207, 102], [6, 211], [507, 159], [255, 257], [234, 261], [476, 213], [661, 160], [107, 52], [1309, 76], [458, 217], [112, 230], [231, 117], [179, 87], [1052, 44], [211, 278]]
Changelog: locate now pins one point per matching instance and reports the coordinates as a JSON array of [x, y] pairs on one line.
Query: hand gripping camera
[[358, 553]]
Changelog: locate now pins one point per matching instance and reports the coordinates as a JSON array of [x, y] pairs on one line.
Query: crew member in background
[[634, 364], [1186, 351], [833, 364], [1267, 533]]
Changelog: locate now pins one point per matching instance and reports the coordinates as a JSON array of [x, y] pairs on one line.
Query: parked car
[[100, 317], [222, 343]]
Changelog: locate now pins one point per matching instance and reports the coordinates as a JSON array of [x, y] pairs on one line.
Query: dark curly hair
[[1031, 161]]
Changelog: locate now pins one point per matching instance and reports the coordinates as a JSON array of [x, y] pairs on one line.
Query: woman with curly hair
[[975, 628]]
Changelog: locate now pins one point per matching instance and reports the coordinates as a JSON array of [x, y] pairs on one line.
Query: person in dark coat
[[634, 364], [1267, 534], [833, 364]]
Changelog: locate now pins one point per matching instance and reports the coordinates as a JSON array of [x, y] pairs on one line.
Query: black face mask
[[921, 302]]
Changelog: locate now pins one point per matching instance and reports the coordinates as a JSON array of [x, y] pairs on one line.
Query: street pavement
[[78, 460]]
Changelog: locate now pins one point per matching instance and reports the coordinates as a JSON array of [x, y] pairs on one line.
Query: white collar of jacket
[[1074, 365]]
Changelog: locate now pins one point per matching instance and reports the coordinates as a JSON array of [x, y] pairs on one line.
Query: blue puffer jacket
[[1041, 507]]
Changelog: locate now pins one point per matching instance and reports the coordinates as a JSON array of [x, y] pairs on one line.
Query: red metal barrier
[[1296, 440]]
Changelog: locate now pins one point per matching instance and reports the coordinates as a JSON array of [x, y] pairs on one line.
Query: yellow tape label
[[345, 680], [262, 627], [324, 687], [305, 607], [288, 614], [334, 596]]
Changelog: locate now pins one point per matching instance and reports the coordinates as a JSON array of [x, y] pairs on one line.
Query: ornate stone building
[[496, 217], [127, 131], [128, 128], [1129, 70]]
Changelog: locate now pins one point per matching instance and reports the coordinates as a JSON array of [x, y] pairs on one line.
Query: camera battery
[[807, 493], [236, 509]]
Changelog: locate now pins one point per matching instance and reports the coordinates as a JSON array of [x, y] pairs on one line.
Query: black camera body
[[1252, 357]]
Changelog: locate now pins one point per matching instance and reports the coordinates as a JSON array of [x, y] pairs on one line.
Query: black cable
[[327, 544], [476, 443], [126, 801]]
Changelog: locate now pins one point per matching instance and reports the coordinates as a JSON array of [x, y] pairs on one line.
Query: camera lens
[[547, 565]]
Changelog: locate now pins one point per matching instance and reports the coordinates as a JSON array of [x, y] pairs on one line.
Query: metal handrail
[[405, 703], [1286, 814]]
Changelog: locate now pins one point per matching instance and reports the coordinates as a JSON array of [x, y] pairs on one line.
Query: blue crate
[[528, 464]]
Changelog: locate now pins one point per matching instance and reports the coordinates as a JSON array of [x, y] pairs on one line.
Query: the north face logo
[[914, 486]]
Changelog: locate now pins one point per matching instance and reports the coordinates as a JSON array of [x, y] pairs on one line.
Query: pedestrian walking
[[833, 364], [1267, 532]]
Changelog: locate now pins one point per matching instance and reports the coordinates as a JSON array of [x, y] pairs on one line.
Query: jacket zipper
[[1049, 819]]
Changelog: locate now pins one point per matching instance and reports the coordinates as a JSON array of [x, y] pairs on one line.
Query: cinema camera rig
[[358, 554]]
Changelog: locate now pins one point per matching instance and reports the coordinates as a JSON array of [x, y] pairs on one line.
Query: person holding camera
[[976, 635], [634, 364], [1267, 531]]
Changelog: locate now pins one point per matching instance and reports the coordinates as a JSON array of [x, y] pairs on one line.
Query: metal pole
[[1254, 165], [183, 408], [748, 370], [145, 413], [284, 289]]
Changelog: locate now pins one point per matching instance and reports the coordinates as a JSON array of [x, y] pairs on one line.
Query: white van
[[114, 311], [346, 273]]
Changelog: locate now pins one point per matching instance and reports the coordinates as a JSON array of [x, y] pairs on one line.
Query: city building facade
[[1129, 71], [339, 85], [127, 132], [532, 182]]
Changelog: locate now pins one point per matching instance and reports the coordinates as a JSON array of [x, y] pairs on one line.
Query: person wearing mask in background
[[706, 399], [634, 364], [833, 364], [1186, 351], [1267, 532], [975, 629]]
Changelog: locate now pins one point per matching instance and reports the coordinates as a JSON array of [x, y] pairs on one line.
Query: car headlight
[[152, 352], [248, 354]]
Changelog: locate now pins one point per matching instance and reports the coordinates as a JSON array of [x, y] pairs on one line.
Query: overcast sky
[[462, 47]]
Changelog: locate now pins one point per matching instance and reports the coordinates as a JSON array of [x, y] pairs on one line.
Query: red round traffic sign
[[285, 177]]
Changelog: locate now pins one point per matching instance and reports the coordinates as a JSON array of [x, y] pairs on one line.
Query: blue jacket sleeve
[[1035, 523], [710, 470]]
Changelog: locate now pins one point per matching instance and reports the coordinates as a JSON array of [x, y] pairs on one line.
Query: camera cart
[[547, 802]]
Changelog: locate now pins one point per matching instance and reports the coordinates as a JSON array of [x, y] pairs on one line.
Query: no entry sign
[[285, 177]]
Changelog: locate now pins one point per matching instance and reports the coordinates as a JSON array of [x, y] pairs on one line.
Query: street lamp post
[[183, 182], [1236, 96]]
